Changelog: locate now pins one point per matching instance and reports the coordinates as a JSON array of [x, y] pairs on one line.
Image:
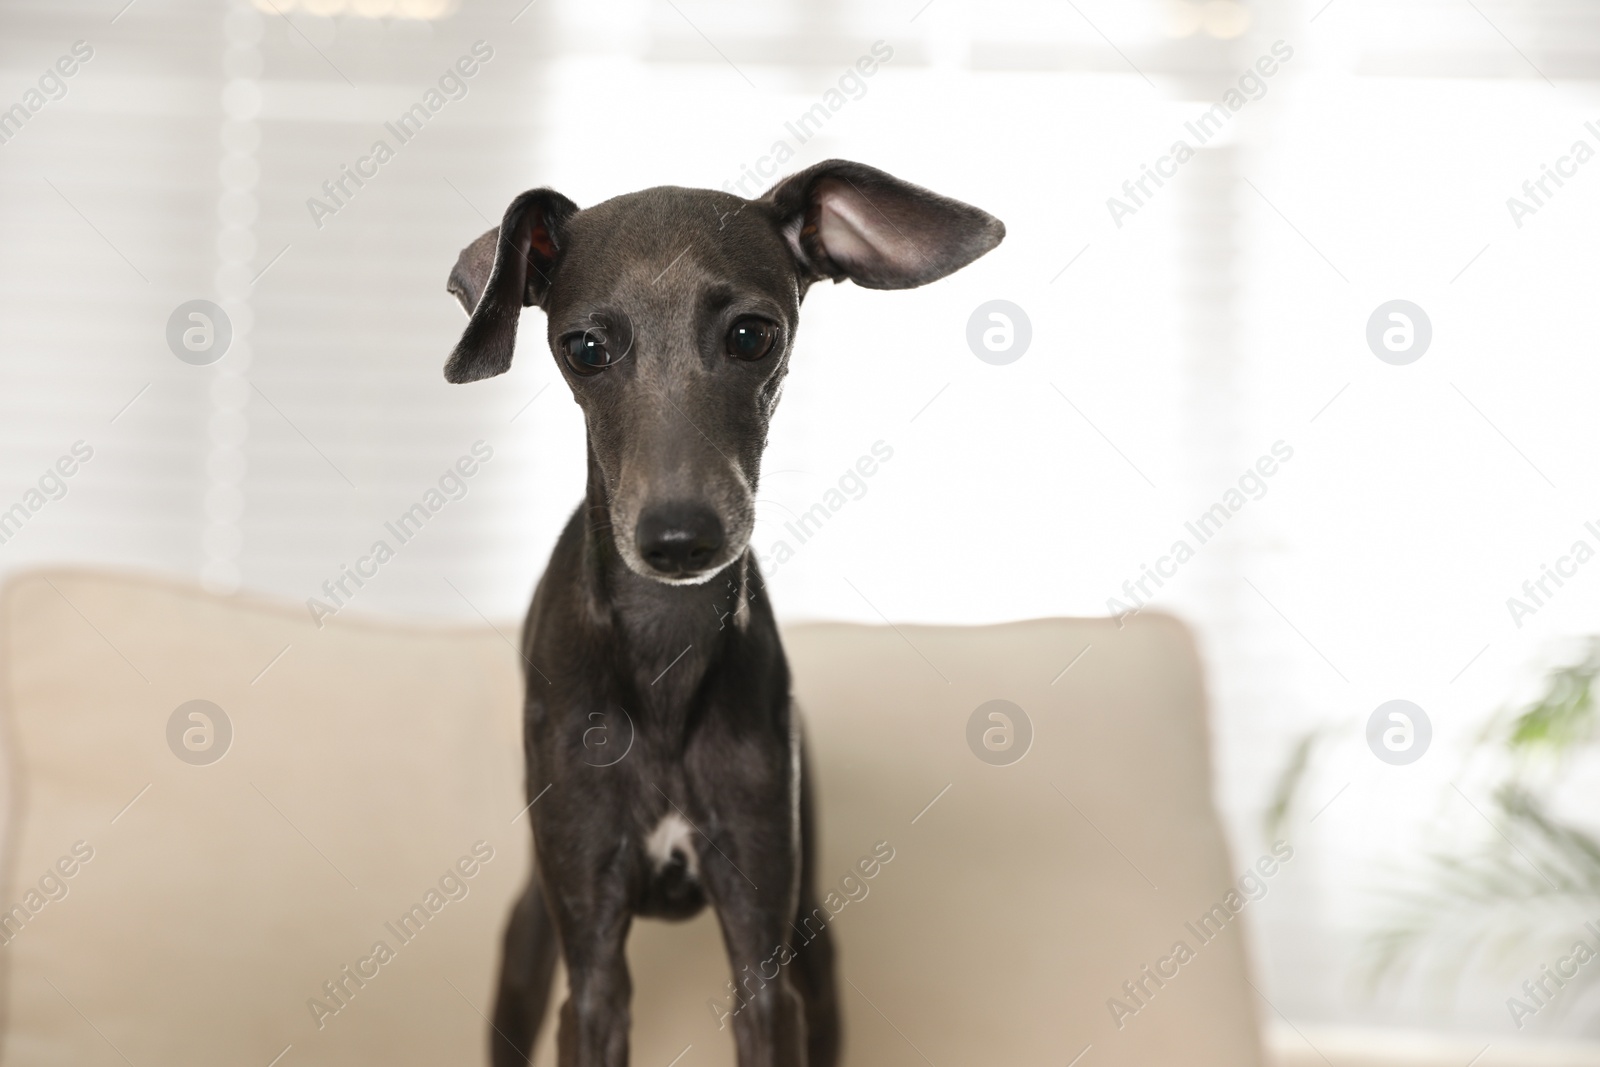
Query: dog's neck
[[670, 635]]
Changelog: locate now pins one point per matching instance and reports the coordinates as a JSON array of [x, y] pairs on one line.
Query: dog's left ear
[[499, 274], [847, 220]]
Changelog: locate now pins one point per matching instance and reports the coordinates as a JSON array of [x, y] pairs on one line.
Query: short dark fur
[[671, 655]]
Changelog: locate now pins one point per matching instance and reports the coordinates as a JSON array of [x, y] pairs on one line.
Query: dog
[[671, 313]]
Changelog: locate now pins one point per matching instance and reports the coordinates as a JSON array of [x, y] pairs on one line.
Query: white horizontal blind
[[179, 165]]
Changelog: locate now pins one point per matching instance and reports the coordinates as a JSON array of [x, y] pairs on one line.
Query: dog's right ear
[[499, 274]]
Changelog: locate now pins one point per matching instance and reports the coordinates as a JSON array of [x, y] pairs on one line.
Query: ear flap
[[472, 270], [498, 275], [847, 220]]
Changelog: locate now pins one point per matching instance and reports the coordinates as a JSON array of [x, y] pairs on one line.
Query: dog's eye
[[587, 352], [751, 339]]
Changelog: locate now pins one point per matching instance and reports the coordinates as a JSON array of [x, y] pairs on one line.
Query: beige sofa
[[167, 906]]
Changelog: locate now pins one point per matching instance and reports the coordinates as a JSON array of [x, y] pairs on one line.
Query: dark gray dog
[[672, 313]]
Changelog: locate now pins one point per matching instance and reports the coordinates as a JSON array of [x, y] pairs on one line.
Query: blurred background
[[1179, 333]]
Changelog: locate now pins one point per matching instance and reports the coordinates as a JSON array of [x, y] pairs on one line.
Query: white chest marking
[[672, 834]]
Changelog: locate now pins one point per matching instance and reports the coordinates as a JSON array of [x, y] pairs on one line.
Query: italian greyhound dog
[[664, 763]]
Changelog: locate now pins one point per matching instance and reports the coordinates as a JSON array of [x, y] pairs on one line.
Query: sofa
[[235, 835]]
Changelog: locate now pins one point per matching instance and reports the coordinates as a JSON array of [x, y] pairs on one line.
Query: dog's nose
[[679, 538]]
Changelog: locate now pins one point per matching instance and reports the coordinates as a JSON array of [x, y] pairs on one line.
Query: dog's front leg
[[768, 1023], [751, 870], [595, 1018], [589, 903]]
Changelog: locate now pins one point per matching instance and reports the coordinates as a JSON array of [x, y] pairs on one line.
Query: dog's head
[[671, 314]]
